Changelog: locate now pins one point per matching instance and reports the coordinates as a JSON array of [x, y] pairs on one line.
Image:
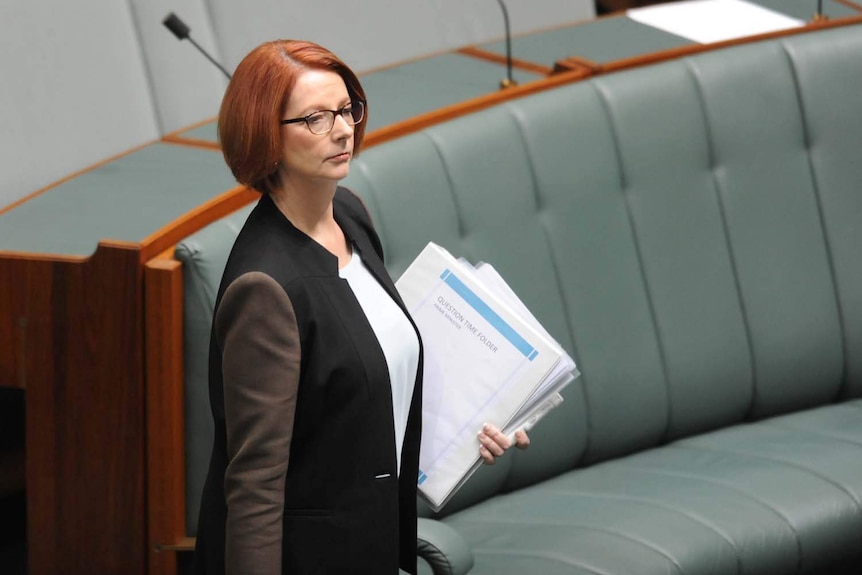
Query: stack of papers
[[708, 21], [486, 359]]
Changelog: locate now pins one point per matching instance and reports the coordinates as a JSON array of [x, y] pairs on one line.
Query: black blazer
[[308, 427]]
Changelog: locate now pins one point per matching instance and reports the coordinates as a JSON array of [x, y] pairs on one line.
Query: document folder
[[486, 359]]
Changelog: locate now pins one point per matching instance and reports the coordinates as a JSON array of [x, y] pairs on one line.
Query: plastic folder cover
[[483, 362]]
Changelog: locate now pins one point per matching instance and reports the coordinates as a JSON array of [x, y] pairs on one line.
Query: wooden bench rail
[[163, 321], [186, 544]]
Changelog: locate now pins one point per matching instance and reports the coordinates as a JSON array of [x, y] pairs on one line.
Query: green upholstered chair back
[[204, 256], [688, 231]]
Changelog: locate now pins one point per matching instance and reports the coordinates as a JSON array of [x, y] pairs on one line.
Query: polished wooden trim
[[56, 258], [576, 63], [178, 133], [176, 137], [33, 256], [496, 58], [184, 544], [192, 142], [164, 376], [119, 244], [189, 223]]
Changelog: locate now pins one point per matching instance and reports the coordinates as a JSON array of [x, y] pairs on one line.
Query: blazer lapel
[[369, 256]]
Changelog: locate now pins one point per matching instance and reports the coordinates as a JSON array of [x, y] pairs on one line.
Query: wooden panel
[[186, 544], [166, 502], [83, 371], [13, 327]]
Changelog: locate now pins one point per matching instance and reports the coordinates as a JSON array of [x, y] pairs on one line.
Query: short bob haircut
[[249, 128]]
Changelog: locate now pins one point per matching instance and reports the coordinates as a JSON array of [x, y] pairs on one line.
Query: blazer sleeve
[[256, 329]]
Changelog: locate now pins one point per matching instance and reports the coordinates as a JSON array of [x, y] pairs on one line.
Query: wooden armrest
[[184, 544]]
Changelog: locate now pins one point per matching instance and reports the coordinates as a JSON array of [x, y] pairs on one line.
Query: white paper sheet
[[483, 363], [708, 21], [565, 371]]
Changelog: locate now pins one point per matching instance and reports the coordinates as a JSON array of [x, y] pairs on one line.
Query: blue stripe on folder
[[490, 315], [422, 478]]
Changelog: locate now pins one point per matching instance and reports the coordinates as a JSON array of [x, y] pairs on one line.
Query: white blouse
[[396, 337]]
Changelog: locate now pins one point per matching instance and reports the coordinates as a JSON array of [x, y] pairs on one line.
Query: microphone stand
[[508, 81], [819, 16], [179, 28]]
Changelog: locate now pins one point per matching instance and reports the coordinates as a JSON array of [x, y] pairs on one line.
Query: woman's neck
[[310, 211]]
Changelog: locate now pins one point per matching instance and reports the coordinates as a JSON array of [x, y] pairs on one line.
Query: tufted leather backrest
[[688, 231]]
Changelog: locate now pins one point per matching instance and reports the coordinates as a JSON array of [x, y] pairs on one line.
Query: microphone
[[508, 81], [179, 28]]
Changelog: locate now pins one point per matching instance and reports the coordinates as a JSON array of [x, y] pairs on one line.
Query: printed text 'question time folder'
[[486, 359]]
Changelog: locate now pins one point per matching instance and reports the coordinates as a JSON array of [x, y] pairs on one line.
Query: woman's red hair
[[248, 124]]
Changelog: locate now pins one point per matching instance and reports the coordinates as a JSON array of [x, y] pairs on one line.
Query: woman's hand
[[494, 443]]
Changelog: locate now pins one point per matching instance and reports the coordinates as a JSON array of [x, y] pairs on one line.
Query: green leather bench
[[691, 233]]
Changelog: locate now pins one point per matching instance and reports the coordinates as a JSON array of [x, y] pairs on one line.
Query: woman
[[315, 365]]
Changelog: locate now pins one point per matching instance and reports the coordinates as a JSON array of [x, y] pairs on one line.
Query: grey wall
[[85, 80]]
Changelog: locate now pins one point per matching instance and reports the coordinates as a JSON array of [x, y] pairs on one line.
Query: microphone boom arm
[[179, 29], [210, 58], [508, 80]]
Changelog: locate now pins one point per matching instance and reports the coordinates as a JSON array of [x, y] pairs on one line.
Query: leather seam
[[725, 226], [624, 189], [821, 216], [730, 487], [558, 280], [582, 527], [780, 460]]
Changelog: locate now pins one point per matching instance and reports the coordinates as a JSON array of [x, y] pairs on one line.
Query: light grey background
[[83, 81]]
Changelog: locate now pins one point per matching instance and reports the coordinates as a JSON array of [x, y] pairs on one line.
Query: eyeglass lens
[[322, 122]]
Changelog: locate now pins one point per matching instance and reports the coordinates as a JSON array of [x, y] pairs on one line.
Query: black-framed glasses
[[321, 122]]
